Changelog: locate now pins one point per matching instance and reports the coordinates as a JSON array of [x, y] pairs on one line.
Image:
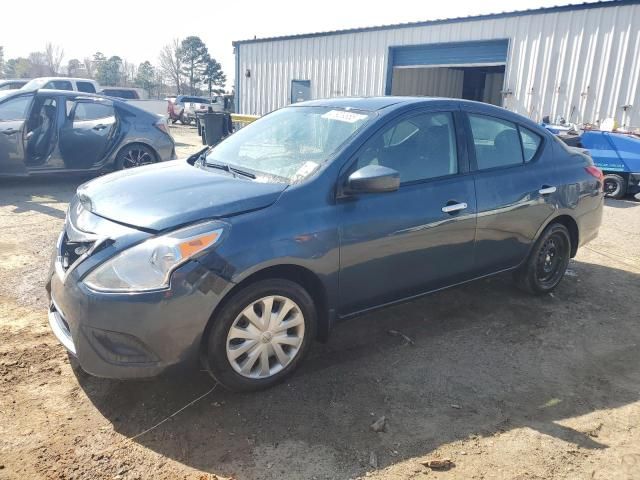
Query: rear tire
[[135, 155], [185, 120], [547, 262], [614, 186], [243, 353]]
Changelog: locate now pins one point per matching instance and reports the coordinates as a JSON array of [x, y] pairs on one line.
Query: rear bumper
[[134, 335]]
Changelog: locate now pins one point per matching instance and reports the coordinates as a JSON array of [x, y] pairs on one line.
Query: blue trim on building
[[490, 16], [449, 53]]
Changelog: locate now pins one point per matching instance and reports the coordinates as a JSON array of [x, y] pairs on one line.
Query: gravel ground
[[505, 385]]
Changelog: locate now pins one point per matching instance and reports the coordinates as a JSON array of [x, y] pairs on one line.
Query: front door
[[88, 132], [13, 112], [420, 237]]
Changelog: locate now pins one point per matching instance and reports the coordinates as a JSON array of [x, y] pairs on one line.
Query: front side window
[[14, 108], [418, 148], [86, 111], [290, 144], [496, 142], [86, 87]]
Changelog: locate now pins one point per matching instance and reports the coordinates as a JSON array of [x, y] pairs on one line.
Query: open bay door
[[469, 70]]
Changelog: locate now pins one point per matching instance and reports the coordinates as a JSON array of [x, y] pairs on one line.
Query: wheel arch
[[570, 223], [295, 273]]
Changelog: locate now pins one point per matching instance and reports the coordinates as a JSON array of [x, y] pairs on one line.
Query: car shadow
[[627, 202], [482, 358], [45, 194]]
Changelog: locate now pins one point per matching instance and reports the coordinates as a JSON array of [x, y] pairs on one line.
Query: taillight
[[597, 173], [162, 126]]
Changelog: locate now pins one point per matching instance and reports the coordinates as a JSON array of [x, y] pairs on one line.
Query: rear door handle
[[456, 207], [10, 131], [546, 190]]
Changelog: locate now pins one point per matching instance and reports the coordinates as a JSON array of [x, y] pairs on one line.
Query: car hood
[[170, 194]]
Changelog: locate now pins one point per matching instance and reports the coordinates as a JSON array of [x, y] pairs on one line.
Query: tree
[[38, 65], [89, 66], [74, 67], [194, 58], [17, 68], [108, 71], [53, 58], [145, 76], [171, 63], [213, 74]]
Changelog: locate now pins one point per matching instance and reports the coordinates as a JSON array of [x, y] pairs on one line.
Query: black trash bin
[[214, 127]]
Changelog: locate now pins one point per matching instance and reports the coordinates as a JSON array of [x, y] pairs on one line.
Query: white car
[[85, 85]]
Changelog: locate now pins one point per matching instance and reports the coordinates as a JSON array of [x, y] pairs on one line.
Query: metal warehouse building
[[581, 62]]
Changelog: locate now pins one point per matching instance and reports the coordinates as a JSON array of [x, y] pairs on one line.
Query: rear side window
[[59, 85], [496, 142], [92, 111], [86, 87], [530, 143]]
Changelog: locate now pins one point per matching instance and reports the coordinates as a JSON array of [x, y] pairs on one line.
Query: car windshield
[[35, 84], [289, 144]]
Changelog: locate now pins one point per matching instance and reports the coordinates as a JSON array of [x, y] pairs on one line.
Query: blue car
[[616, 154], [239, 257]]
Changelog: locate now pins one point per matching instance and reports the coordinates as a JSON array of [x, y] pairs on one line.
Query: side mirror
[[373, 179]]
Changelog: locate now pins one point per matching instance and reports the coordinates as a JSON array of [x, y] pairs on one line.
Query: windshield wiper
[[228, 168]]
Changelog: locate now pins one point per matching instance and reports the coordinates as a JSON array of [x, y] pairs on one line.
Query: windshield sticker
[[342, 116], [305, 170]]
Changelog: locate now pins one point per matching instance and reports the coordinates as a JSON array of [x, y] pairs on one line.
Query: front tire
[[261, 335], [547, 262], [614, 186]]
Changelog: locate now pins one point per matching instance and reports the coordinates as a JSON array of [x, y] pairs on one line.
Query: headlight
[[148, 265]]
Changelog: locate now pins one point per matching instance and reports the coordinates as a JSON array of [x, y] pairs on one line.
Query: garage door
[[461, 54]]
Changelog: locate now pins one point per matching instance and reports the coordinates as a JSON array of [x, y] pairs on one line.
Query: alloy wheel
[[136, 157], [265, 337]]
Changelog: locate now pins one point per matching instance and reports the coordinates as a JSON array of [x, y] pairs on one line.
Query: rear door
[[420, 237], [13, 112], [515, 189], [87, 133]]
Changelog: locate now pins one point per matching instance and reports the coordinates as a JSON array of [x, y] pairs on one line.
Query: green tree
[[17, 68], [108, 71], [74, 67], [194, 57], [146, 76], [213, 76]]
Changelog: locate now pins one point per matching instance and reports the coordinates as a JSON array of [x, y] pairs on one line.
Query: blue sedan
[[241, 256]]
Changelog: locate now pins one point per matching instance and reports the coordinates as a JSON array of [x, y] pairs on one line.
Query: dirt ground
[[505, 385]]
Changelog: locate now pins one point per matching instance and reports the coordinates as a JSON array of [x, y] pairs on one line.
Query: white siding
[[583, 64]]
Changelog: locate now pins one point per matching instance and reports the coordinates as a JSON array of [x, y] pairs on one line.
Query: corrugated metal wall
[[583, 64], [441, 82]]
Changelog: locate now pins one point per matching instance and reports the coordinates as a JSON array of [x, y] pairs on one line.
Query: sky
[[137, 30]]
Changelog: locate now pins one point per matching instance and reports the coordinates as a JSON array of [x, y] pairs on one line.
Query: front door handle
[[100, 127], [10, 131], [546, 190], [453, 208]]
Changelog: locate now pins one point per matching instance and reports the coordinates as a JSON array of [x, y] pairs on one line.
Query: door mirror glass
[[373, 179]]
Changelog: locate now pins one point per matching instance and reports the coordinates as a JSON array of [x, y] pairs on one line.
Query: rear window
[[86, 87]]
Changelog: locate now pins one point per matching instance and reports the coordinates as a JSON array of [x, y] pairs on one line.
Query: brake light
[[597, 173], [162, 126]]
